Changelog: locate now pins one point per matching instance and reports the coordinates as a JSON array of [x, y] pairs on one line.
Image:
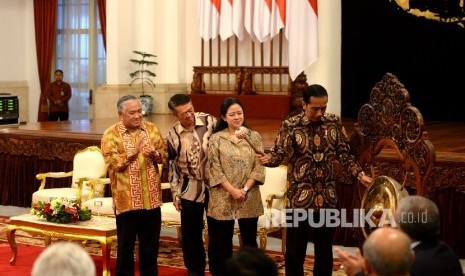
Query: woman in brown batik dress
[[234, 176]]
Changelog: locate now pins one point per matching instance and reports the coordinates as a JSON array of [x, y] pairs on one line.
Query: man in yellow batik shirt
[[132, 149]]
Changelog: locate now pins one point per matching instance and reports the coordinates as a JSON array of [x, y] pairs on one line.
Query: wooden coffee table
[[100, 229]]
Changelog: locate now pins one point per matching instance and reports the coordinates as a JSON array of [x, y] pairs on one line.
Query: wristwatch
[[246, 189]]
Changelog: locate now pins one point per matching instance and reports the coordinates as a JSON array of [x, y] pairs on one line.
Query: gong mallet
[[243, 133]]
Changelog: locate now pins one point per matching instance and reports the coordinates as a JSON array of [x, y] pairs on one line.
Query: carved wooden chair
[[390, 140], [89, 171], [390, 128]]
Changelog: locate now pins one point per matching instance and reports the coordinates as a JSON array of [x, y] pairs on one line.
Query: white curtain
[[80, 53]]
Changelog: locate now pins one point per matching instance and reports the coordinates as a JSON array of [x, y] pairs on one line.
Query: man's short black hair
[[177, 100], [314, 90]]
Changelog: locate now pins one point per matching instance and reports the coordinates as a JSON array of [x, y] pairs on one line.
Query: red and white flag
[[262, 19], [232, 19], [238, 18], [226, 19], [249, 18], [278, 16], [209, 18], [302, 34]]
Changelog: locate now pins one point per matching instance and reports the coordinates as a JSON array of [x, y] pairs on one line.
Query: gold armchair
[[170, 217], [273, 193], [88, 169], [106, 206], [274, 200], [101, 206]]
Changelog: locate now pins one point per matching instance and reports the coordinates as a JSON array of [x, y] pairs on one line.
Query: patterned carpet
[[170, 253]]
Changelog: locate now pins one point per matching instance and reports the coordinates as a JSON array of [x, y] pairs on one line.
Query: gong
[[380, 202]]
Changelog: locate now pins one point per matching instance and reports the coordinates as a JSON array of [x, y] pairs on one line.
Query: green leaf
[[143, 75]]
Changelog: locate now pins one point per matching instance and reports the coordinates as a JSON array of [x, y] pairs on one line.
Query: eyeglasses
[[188, 113]]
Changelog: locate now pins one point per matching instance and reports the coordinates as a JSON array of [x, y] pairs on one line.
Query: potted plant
[[143, 76]]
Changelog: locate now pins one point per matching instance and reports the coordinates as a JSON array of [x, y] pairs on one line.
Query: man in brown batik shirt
[[313, 142], [187, 158]]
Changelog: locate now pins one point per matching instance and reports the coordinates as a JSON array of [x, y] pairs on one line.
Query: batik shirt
[[234, 161], [188, 157], [134, 184], [316, 153]]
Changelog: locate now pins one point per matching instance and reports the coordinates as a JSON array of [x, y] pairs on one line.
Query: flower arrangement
[[62, 210]]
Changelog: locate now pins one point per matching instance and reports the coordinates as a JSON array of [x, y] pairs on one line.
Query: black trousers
[[145, 225], [54, 116], [296, 247], [220, 244], [192, 215]]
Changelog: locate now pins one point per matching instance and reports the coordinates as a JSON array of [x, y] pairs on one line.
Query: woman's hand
[[237, 194]]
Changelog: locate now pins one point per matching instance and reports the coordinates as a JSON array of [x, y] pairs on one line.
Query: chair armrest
[[166, 186], [92, 183], [43, 177], [270, 198], [80, 182]]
